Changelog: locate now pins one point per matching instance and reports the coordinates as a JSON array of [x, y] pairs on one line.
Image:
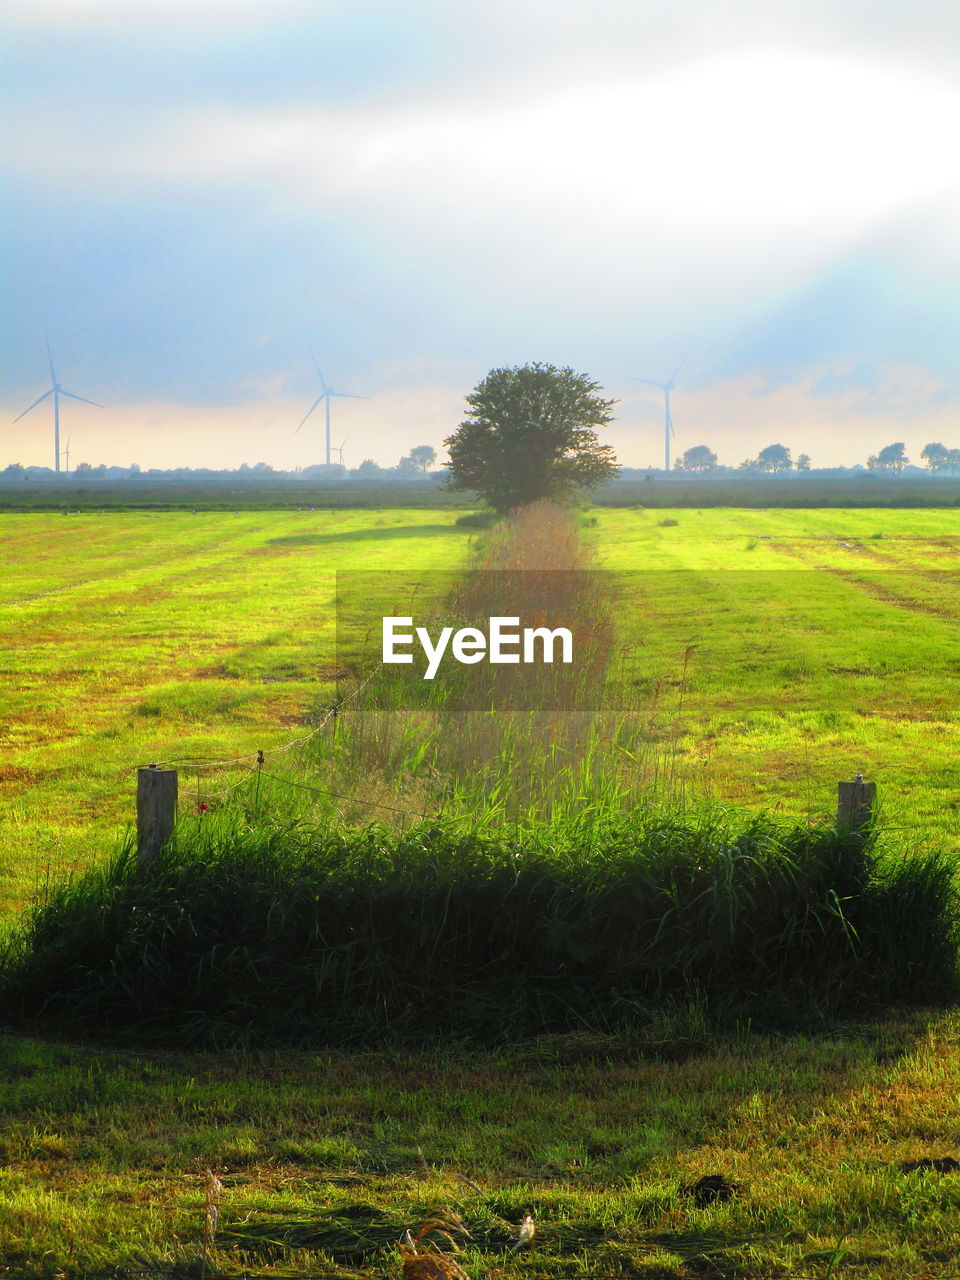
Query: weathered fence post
[[855, 803], [156, 810]]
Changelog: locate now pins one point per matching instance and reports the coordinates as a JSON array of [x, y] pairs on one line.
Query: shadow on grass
[[481, 1113], [351, 1234], [376, 534]]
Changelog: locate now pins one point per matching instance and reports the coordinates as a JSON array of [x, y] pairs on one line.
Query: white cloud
[[562, 182], [144, 13], [726, 178]]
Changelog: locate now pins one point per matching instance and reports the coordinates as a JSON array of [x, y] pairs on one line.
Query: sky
[[199, 193]]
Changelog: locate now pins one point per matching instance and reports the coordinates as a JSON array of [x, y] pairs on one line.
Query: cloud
[[145, 13], [754, 174], [497, 40], [434, 190]]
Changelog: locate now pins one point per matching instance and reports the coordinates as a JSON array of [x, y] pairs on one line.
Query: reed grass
[[320, 937]]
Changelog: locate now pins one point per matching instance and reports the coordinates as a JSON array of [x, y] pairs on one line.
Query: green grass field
[[134, 637], [825, 642]]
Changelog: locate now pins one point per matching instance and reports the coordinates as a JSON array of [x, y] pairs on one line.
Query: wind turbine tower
[[326, 395], [666, 388], [56, 391]]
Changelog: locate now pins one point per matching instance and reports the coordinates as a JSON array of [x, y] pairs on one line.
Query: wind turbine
[[56, 391], [66, 453], [326, 394], [666, 388], [345, 439]]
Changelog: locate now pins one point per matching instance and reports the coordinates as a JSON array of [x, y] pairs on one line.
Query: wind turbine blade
[[680, 366], [53, 376], [317, 367], [73, 397], [34, 405], [309, 411], [651, 383], [346, 395]]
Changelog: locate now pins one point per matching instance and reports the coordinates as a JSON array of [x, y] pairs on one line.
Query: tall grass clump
[[518, 739], [318, 937]]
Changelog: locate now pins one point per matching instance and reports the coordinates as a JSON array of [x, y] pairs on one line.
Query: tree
[[891, 458], [803, 462], [529, 434], [368, 469], [699, 458], [936, 456], [424, 455], [775, 457]]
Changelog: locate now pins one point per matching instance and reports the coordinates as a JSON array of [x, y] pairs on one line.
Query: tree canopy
[[939, 458], [530, 434], [891, 458], [423, 456], [775, 457], [700, 458]]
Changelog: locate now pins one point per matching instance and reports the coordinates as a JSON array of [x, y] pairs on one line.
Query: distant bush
[[668, 523], [320, 937]]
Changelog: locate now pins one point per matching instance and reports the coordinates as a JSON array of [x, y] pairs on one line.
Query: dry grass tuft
[[422, 1255], [213, 1190]]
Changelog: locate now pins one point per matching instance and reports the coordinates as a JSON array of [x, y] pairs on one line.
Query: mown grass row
[[306, 936]]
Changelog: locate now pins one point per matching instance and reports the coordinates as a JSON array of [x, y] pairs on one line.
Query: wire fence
[[790, 788], [258, 758]]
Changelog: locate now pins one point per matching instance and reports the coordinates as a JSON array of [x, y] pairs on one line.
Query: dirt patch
[[11, 773]]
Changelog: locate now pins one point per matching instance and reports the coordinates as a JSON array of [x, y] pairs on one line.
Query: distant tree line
[[892, 459], [413, 466]]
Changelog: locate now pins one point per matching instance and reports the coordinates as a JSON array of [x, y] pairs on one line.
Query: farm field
[[823, 643], [134, 637], [768, 654]]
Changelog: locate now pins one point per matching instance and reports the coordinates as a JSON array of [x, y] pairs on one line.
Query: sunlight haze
[[197, 195]]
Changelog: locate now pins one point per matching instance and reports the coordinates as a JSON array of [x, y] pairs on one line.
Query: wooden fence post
[[156, 810], [855, 803]]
